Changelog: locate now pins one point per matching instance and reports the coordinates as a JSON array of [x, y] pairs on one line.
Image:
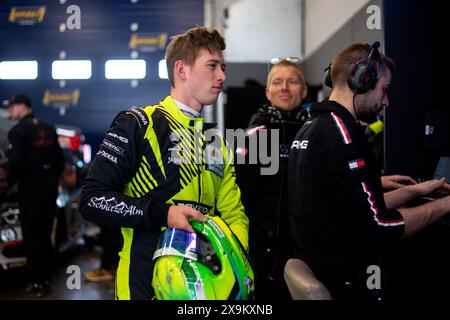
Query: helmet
[[210, 264]]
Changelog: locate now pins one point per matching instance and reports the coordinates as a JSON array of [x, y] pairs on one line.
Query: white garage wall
[[324, 17], [258, 30]]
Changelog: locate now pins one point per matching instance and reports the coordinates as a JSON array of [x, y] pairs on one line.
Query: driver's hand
[[178, 217]]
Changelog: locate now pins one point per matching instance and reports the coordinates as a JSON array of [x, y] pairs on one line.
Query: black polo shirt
[[338, 215]]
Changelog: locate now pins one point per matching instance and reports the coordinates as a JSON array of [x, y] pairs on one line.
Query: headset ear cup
[[354, 80], [372, 77], [363, 78], [328, 82]]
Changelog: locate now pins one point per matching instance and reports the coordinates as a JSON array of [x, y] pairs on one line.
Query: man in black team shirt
[[266, 196], [339, 215]]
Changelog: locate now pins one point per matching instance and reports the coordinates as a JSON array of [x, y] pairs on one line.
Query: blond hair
[[287, 63]]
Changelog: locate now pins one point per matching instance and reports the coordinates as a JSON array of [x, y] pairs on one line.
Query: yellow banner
[[61, 97], [27, 15], [147, 41]]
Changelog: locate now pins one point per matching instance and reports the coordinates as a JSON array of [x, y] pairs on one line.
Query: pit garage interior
[[42, 34]]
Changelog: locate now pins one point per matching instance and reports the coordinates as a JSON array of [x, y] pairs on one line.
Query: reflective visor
[[176, 242]]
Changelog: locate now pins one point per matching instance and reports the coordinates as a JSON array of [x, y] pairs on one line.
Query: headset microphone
[[375, 51]]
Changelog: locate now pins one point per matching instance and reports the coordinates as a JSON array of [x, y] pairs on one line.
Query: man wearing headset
[[340, 218]]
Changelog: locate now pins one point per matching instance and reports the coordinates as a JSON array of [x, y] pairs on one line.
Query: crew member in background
[[266, 196], [35, 161]]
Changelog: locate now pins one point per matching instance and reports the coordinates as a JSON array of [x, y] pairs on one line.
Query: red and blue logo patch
[[356, 164]]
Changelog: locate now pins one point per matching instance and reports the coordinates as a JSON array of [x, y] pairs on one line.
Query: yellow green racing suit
[[152, 158]]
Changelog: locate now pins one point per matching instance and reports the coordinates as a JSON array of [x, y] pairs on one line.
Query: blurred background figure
[[35, 162]]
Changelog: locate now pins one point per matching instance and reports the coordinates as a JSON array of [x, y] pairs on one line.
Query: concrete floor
[[12, 282]]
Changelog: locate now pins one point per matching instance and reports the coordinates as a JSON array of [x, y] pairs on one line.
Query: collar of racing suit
[[187, 110], [171, 106]]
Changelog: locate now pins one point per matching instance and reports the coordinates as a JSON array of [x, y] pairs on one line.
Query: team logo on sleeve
[[356, 164], [140, 116], [111, 205], [111, 146], [120, 138], [108, 156]]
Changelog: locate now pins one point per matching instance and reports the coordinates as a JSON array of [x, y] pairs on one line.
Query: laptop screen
[[443, 169]]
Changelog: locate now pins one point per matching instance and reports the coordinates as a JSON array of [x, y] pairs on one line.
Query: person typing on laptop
[[340, 218]]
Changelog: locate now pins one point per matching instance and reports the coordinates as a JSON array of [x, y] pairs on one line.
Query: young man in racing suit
[[156, 169]]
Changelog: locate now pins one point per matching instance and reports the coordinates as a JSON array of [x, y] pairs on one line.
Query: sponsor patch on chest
[[214, 160]]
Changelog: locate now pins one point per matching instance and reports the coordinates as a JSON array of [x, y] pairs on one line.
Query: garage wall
[[106, 32], [258, 30], [324, 17], [353, 30]]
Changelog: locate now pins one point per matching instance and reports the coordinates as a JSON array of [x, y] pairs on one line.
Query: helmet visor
[[191, 246], [176, 242]]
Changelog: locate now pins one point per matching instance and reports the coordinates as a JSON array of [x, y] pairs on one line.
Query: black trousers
[[36, 216], [268, 266]]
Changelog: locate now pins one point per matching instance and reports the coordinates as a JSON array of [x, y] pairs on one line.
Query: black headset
[[364, 75], [328, 82]]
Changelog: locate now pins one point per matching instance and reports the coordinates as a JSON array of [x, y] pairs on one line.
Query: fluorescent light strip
[[162, 69], [71, 69], [66, 132], [86, 153], [125, 69], [18, 70]]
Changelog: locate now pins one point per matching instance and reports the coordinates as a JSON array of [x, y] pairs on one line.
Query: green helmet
[[210, 264]]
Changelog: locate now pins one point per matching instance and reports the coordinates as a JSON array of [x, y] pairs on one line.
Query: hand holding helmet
[[209, 264], [179, 216]]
